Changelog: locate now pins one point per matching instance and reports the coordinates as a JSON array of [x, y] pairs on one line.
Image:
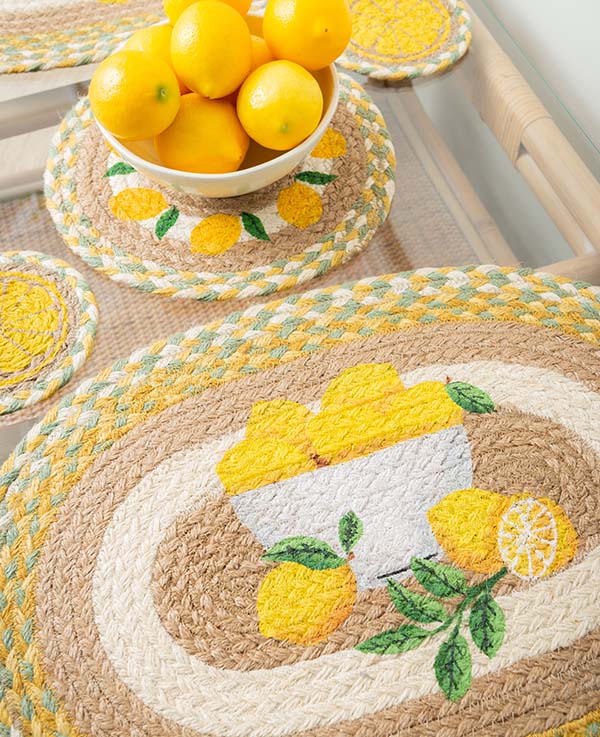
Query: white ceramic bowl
[[142, 155]]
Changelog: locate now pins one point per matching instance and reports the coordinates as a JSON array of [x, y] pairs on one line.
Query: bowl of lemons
[[219, 102]]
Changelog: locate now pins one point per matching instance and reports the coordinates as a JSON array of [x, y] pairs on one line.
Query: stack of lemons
[[203, 86]]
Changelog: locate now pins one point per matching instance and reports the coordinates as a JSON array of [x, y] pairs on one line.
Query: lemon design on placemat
[[396, 30], [33, 325]]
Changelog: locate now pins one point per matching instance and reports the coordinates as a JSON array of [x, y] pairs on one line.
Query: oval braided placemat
[[371, 508], [156, 240]]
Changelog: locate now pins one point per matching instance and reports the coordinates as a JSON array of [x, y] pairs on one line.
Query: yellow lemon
[[261, 53], [280, 104], [156, 41], [174, 8], [259, 461], [367, 382], [216, 234], [205, 137], [134, 95], [299, 205], [137, 203], [331, 146], [211, 48], [303, 606], [312, 33], [536, 538], [343, 432], [280, 418], [465, 524]]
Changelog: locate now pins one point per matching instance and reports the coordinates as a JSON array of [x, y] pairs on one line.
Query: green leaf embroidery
[[438, 579], [253, 224], [308, 551], [453, 666], [315, 177], [401, 640], [487, 624], [470, 398], [415, 606], [350, 531], [166, 221], [119, 168]]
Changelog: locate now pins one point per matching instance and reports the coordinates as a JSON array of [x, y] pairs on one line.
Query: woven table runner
[[48, 319], [361, 510], [178, 245], [404, 39]]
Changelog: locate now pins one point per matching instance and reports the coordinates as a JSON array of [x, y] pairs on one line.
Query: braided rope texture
[[45, 43], [417, 39], [78, 333], [48, 469], [356, 226]]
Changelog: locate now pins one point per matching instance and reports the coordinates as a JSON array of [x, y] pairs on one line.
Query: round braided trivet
[[45, 34], [404, 39], [365, 510], [161, 241], [48, 319]]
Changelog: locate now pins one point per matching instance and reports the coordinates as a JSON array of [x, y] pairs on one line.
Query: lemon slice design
[[528, 538]]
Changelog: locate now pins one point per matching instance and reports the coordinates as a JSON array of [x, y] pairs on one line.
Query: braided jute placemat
[[45, 34], [157, 240], [48, 319], [404, 39], [370, 509]]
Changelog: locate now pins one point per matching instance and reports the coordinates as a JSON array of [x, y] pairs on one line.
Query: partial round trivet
[[158, 240], [369, 510], [48, 319], [404, 39], [44, 34]]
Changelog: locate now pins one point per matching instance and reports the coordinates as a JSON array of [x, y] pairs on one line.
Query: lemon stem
[[472, 594]]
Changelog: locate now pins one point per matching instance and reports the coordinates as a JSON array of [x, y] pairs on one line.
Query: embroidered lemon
[[535, 538], [331, 146], [299, 205], [134, 95], [137, 203], [344, 432], [304, 606], [365, 383], [31, 313], [280, 104], [156, 41], [205, 137], [211, 48], [312, 33], [465, 524], [313, 590], [282, 419], [387, 29], [216, 234], [483, 531], [259, 461]]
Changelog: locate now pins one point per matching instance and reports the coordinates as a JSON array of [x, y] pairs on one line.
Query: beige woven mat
[[420, 231]]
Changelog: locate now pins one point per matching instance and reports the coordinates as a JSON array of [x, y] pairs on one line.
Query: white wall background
[[556, 46]]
